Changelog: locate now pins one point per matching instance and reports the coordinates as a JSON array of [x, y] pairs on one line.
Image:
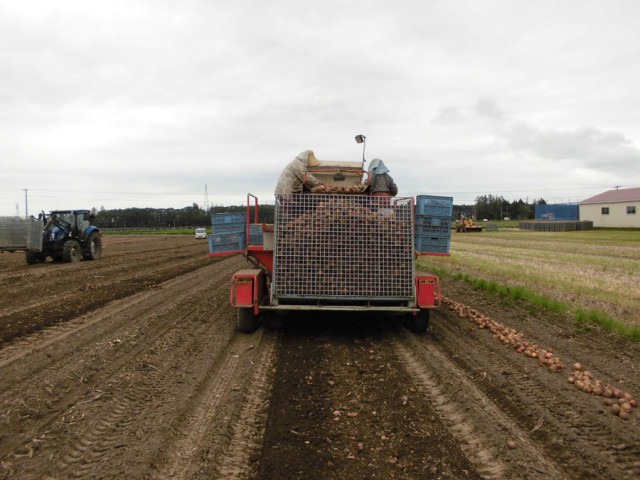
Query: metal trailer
[[334, 253], [63, 235], [20, 235]]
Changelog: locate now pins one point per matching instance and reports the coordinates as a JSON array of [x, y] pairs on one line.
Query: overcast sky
[[120, 104]]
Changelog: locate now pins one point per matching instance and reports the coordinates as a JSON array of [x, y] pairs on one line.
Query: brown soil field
[[131, 367]]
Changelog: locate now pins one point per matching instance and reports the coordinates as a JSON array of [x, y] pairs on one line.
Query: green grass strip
[[583, 318]]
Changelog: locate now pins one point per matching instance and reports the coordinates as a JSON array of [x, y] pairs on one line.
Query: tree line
[[491, 207], [193, 216], [495, 207]]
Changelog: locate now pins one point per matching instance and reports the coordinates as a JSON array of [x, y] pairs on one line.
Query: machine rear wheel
[[71, 251], [420, 322], [94, 247], [247, 321]]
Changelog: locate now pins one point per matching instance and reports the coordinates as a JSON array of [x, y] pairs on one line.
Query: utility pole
[[26, 204], [206, 198]]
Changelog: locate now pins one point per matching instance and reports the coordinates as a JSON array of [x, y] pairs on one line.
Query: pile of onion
[[620, 402], [508, 336], [358, 188]]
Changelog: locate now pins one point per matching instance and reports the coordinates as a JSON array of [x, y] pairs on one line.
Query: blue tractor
[[67, 236]]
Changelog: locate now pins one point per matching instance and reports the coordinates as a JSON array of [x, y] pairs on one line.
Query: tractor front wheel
[[34, 257], [71, 251], [247, 320], [93, 248]]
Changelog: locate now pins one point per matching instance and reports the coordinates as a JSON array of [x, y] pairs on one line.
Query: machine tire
[[420, 322], [34, 257], [93, 247], [71, 251], [247, 320]]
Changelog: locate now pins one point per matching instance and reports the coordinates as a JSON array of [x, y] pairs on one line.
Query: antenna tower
[[206, 199]]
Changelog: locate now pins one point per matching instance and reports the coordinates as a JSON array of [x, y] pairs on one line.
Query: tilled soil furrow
[[59, 307], [570, 426], [485, 433], [240, 458], [148, 383], [117, 312], [132, 329], [36, 296], [222, 423], [155, 382], [344, 406]]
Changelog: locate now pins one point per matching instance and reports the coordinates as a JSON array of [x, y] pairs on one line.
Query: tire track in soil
[[146, 310], [117, 309], [55, 287], [571, 427], [480, 426], [227, 450], [345, 406], [126, 405], [113, 289], [240, 459]]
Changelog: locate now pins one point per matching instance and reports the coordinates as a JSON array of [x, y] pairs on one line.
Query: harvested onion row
[[359, 188], [620, 402], [508, 336]]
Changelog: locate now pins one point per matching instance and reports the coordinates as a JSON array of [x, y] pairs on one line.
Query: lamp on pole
[[363, 140]]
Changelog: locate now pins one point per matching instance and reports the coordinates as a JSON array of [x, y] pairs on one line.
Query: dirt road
[[130, 367]]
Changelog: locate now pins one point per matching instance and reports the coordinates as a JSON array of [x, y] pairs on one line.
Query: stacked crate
[[255, 234], [433, 224], [229, 233]]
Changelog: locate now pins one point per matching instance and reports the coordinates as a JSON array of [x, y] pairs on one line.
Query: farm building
[[618, 208]]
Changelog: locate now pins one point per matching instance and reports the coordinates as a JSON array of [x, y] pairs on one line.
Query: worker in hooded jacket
[[380, 182], [295, 177]]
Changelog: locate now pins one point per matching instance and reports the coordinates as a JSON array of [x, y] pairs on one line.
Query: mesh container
[[343, 247], [16, 233]]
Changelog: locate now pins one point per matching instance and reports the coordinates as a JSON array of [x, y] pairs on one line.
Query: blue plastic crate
[[434, 205], [432, 244], [227, 218], [226, 242], [230, 228], [255, 234], [430, 224]]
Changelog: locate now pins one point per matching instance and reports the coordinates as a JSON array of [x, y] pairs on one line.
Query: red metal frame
[[248, 229], [246, 289], [248, 286], [262, 256], [428, 294]]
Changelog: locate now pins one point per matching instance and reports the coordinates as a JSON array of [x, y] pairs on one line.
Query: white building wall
[[617, 217]]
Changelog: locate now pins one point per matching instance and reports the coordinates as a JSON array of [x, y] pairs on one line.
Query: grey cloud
[[489, 108], [590, 146], [448, 115], [585, 146]]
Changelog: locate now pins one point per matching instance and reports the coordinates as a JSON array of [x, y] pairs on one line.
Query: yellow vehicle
[[467, 225]]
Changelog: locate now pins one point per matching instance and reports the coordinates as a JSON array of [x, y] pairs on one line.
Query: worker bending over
[[295, 177]]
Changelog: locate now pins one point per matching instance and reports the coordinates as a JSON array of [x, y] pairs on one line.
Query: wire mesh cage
[[343, 247], [20, 234]]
